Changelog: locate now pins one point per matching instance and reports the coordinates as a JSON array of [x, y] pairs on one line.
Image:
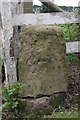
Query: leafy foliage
[[71, 32], [11, 102], [44, 9], [73, 58]]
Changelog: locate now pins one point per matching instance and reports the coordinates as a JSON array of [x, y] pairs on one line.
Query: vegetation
[[64, 114], [73, 58], [44, 9], [71, 32], [11, 102]]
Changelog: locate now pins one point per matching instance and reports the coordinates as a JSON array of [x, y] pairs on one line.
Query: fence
[[12, 17]]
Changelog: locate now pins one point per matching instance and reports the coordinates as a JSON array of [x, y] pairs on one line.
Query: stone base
[[38, 107]]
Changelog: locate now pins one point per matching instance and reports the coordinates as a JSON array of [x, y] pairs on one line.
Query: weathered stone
[[38, 107], [42, 60]]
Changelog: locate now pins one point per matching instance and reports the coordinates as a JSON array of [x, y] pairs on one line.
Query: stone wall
[[42, 64]]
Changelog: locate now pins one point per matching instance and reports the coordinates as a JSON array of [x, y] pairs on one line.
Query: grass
[[64, 115], [71, 32], [73, 58]]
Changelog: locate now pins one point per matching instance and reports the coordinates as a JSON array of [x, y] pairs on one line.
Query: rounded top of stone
[[42, 29]]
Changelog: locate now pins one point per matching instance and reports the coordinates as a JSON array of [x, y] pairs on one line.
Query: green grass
[[73, 58], [63, 115], [71, 32]]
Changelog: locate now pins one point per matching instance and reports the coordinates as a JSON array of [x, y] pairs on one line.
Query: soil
[[73, 93]]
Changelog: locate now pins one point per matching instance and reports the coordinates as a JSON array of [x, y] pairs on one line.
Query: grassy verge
[[64, 115]]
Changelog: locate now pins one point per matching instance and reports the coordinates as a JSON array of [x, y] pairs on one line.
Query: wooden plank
[[16, 9], [45, 18], [73, 47], [8, 44], [51, 6]]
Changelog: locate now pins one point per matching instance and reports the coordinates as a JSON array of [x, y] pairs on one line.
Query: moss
[[57, 100]]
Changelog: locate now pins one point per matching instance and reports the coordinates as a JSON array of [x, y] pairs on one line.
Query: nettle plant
[[11, 101]]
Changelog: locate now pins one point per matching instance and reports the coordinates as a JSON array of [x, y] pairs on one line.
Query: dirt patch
[[42, 60], [73, 91]]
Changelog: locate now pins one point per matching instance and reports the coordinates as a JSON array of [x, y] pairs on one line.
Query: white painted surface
[[73, 47], [45, 18], [9, 61]]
